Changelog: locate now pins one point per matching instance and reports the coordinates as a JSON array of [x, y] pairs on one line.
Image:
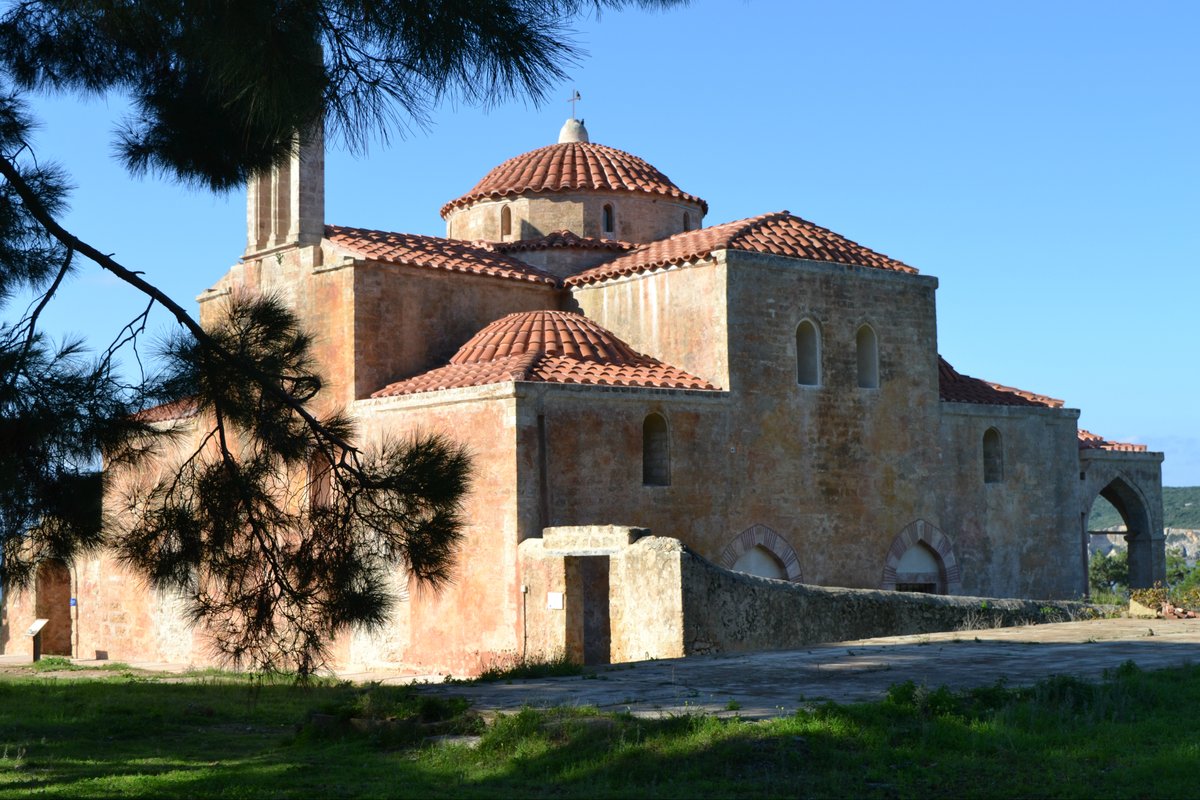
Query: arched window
[[808, 354], [505, 221], [687, 221], [993, 457], [656, 451], [608, 220], [868, 358]]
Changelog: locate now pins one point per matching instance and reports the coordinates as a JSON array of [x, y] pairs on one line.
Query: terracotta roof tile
[[1090, 441], [433, 252], [558, 239], [176, 409], [778, 233], [549, 347], [572, 166], [954, 387]]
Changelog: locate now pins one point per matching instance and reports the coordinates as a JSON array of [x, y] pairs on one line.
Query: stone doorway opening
[[52, 601]]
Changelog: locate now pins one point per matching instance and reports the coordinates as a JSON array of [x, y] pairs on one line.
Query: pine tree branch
[[73, 243]]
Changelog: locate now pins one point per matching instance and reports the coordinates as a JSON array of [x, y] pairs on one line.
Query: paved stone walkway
[[761, 685]]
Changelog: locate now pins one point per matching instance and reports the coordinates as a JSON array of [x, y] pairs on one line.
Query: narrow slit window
[[993, 457], [320, 481], [808, 354], [608, 219], [867, 347], [656, 451], [687, 221]]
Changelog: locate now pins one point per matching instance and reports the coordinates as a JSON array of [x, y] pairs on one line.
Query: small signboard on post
[[35, 631]]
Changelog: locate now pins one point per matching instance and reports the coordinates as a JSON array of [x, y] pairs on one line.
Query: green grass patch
[[61, 664], [556, 666], [1132, 735]]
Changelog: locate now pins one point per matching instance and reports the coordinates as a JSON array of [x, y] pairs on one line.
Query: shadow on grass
[[1130, 736]]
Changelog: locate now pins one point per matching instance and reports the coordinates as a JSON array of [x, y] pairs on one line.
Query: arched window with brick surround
[[993, 457], [808, 354], [867, 348], [758, 550], [656, 451]]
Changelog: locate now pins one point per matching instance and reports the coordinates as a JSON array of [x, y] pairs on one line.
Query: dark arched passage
[[1133, 511]]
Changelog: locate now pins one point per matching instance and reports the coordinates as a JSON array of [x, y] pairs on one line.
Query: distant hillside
[[1181, 509]]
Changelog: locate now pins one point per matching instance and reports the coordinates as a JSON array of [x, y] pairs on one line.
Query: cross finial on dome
[[573, 131]]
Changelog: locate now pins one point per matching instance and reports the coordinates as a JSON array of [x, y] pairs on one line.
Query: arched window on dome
[[608, 221], [505, 222], [687, 221], [867, 347], [993, 457], [808, 354], [656, 451]]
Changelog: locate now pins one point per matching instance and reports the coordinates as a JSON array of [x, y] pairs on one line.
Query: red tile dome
[[573, 166], [547, 347], [559, 333]]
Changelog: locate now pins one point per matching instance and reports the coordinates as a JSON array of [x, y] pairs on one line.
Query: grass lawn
[[121, 733]]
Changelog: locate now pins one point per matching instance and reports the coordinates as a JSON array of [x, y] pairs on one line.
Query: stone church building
[[764, 391]]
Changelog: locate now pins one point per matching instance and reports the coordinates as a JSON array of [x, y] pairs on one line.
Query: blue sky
[[1039, 158]]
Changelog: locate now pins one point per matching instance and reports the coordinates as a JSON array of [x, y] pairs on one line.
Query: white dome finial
[[573, 131]]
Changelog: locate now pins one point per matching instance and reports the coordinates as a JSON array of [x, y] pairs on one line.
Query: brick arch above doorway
[[772, 542], [921, 532]]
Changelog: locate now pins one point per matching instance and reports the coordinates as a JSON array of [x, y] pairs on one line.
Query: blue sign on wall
[[72, 601]]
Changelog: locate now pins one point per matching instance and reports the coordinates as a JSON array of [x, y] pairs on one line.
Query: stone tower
[[286, 206]]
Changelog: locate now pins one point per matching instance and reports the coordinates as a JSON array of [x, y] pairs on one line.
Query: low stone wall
[[726, 611], [611, 594]]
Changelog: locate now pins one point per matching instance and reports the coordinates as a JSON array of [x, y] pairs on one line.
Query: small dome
[[573, 131], [573, 166], [545, 333]]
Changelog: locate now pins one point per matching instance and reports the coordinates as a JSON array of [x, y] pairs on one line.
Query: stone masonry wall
[[475, 619], [409, 320], [676, 315], [1019, 536]]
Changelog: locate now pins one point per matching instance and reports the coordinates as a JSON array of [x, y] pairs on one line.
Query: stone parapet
[[590, 539]]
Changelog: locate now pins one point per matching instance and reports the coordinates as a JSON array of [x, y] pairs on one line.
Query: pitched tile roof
[[549, 347], [433, 252], [778, 233], [557, 239], [573, 166], [176, 409], [1090, 441], [954, 387]]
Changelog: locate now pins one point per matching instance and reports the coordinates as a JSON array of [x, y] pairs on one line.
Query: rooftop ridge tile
[[434, 253], [777, 233]]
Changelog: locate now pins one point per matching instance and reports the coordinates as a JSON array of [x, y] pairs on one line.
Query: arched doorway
[[922, 559], [52, 602], [1131, 507]]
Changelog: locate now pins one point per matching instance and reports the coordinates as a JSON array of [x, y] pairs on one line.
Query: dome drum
[[634, 217]]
